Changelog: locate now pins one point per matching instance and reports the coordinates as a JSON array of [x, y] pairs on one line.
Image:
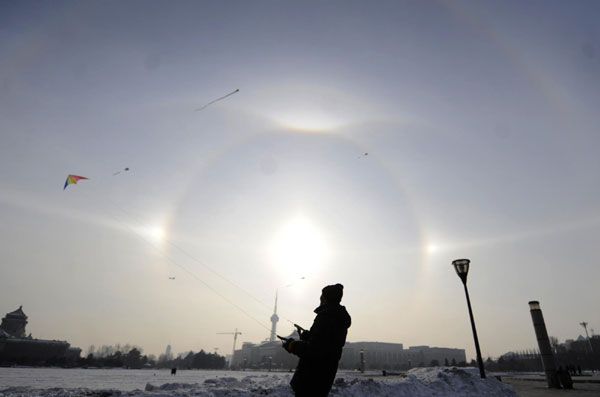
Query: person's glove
[[305, 335], [287, 345]]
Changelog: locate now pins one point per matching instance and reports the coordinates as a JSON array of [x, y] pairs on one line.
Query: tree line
[[131, 357], [579, 354]]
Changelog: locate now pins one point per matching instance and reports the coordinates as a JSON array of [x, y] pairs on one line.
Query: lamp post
[[584, 325], [462, 269]]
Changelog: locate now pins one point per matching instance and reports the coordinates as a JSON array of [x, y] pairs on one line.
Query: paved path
[[536, 387]]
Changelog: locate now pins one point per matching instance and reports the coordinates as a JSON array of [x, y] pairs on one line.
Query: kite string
[[192, 257], [174, 262], [202, 263]]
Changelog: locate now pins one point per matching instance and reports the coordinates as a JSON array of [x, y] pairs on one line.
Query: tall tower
[[274, 319], [14, 323]]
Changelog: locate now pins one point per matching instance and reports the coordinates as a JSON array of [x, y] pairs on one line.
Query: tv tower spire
[[274, 319]]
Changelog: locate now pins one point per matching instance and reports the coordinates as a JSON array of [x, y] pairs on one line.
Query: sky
[[370, 144]]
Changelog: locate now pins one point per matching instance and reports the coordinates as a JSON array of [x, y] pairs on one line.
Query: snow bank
[[425, 382], [419, 382]]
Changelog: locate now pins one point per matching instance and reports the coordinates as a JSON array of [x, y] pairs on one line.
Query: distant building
[[385, 355], [72, 354], [14, 323], [16, 348], [264, 355], [568, 343], [377, 355], [380, 355], [419, 356]]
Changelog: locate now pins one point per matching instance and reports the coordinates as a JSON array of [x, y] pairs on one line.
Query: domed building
[[16, 348]]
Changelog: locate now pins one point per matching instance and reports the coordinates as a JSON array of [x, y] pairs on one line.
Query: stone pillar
[[362, 361], [544, 345]]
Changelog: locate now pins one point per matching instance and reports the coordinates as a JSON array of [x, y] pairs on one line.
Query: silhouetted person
[[565, 378], [320, 348], [173, 371]]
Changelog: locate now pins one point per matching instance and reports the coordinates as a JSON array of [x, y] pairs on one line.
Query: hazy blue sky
[[480, 120]]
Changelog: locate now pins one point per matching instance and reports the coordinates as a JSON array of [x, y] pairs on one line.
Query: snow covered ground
[[439, 381]]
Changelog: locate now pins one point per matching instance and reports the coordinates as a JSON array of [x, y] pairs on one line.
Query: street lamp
[[584, 325], [462, 269]]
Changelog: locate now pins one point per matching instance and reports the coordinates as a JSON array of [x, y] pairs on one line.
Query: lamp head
[[462, 268]]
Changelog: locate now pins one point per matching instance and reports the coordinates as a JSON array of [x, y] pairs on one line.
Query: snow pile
[[276, 385], [425, 382], [419, 382], [460, 382]]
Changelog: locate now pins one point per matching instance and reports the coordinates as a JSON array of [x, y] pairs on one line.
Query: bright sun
[[432, 248], [156, 234], [312, 122], [298, 249]]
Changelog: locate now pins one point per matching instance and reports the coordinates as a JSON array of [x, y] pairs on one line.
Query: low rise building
[[380, 355], [376, 355], [16, 348], [264, 355], [425, 356]]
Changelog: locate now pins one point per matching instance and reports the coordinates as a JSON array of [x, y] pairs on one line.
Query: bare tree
[[554, 344]]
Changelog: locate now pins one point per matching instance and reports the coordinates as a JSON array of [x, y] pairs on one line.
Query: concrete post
[[362, 361], [544, 345]]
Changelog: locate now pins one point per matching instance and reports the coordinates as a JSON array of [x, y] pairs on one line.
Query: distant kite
[[364, 155], [118, 172], [73, 179], [171, 278], [216, 100]]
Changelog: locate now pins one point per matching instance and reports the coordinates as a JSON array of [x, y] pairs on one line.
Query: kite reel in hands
[[303, 333], [287, 343]]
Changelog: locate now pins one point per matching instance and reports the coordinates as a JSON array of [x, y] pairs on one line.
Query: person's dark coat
[[319, 350]]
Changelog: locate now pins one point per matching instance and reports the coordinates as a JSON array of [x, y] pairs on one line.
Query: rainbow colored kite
[[73, 179]]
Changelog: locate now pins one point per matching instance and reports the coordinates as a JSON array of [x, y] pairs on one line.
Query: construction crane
[[235, 335]]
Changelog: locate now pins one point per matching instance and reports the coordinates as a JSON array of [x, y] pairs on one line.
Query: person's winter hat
[[333, 293]]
